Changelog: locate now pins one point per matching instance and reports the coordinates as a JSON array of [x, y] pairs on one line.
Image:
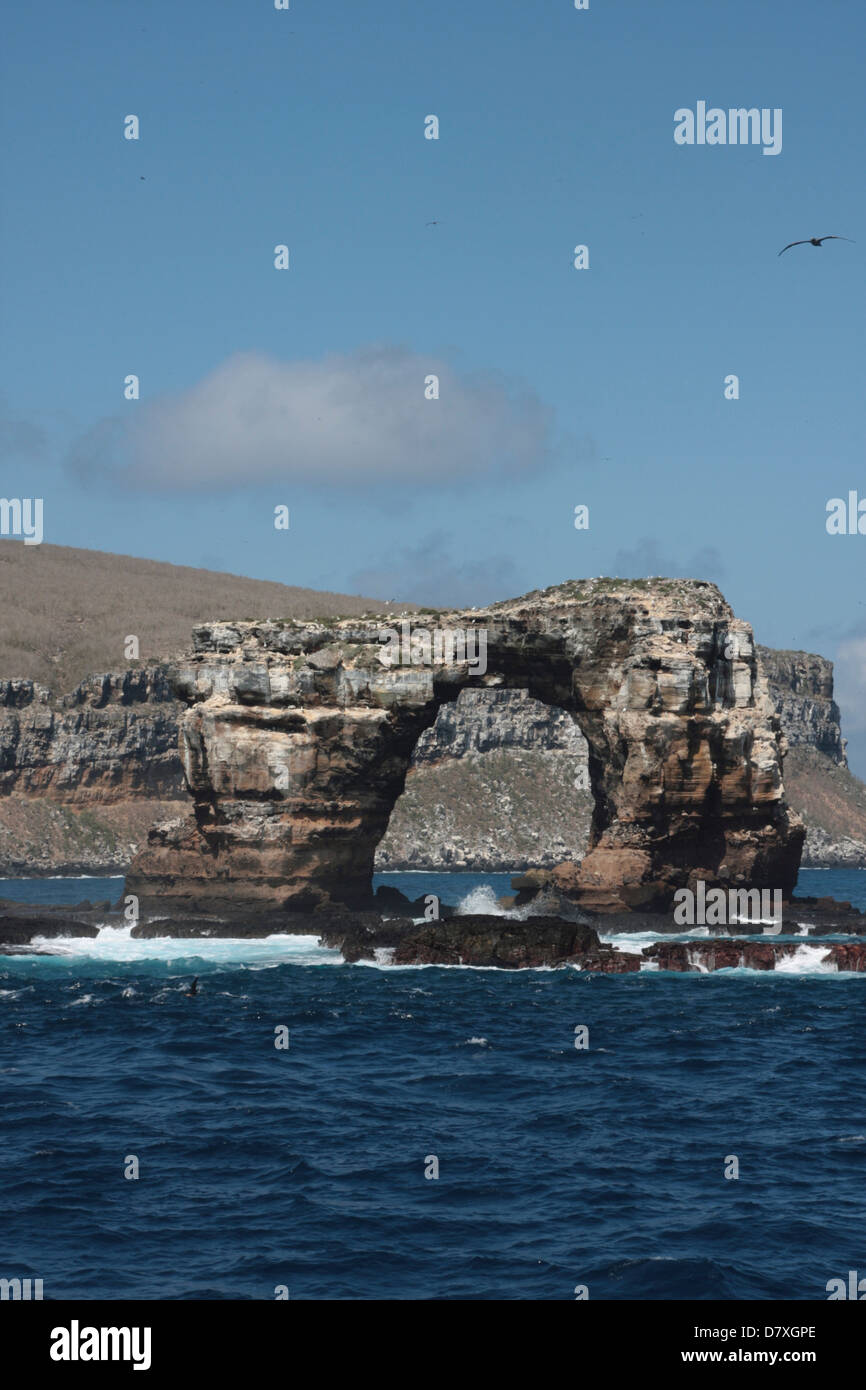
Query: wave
[[118, 944], [807, 960], [482, 901]]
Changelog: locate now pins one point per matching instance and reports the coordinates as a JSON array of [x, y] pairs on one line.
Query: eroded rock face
[[497, 781], [83, 775], [801, 688], [297, 740], [113, 736]]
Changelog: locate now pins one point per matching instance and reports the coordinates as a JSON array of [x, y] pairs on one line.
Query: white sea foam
[[118, 944], [481, 900], [636, 942], [807, 960]]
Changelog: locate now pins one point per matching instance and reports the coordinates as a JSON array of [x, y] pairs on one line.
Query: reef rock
[[479, 940], [298, 737], [752, 955]]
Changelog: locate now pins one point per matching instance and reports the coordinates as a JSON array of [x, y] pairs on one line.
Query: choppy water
[[305, 1167]]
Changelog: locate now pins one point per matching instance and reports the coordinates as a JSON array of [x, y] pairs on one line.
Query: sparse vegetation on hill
[[66, 612]]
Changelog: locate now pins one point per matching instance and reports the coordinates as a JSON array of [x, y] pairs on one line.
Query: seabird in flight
[[813, 241]]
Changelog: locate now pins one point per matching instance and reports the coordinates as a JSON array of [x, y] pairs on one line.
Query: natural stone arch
[[298, 738], [499, 782]]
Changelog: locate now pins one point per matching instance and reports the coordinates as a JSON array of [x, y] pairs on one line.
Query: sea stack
[[297, 737]]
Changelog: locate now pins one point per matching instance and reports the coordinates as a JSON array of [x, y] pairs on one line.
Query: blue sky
[[602, 386]]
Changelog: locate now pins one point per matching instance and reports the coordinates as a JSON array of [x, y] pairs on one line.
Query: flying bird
[[813, 241]]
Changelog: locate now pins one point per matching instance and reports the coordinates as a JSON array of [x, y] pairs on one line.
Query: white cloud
[[351, 419]]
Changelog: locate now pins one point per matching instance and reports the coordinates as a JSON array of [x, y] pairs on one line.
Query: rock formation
[[95, 742], [819, 783], [499, 780], [297, 741], [801, 689], [751, 955], [84, 775], [493, 755]]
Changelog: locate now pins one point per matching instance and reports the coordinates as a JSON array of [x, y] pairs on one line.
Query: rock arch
[[297, 739]]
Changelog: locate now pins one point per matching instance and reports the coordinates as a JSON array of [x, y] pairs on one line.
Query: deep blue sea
[[305, 1167]]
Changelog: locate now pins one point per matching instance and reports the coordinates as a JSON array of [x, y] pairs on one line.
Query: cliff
[[801, 688], [83, 776], [298, 736], [113, 736], [830, 799], [465, 804], [89, 762], [499, 781]]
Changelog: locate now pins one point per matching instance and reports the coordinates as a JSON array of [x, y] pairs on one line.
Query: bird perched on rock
[[813, 241]]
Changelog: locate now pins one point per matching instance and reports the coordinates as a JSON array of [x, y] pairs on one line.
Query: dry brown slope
[[66, 612], [827, 796]]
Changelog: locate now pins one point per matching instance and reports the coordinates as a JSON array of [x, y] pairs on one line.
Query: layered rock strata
[[495, 754], [297, 740], [113, 736], [84, 775], [500, 779], [800, 686]]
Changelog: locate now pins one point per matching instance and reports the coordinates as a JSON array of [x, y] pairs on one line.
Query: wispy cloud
[[353, 419], [427, 573], [20, 440], [647, 559]]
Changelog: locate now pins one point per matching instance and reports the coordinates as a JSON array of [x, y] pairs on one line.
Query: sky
[[304, 387]]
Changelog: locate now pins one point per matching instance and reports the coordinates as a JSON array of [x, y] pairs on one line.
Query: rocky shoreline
[[568, 937]]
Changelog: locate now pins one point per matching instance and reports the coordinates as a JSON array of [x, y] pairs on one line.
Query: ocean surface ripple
[[305, 1167]]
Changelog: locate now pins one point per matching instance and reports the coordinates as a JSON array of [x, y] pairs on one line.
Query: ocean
[[428, 1133]]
